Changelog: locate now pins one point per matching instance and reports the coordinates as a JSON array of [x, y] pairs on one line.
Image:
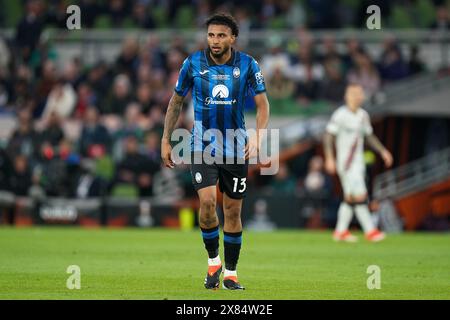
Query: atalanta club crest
[[236, 72]]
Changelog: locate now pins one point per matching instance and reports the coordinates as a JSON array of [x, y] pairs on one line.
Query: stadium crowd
[[120, 107], [252, 14]]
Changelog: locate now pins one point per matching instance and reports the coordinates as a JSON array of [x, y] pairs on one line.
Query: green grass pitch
[[170, 264]]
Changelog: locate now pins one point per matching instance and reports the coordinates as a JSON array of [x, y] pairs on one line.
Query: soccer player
[[220, 78], [350, 125]]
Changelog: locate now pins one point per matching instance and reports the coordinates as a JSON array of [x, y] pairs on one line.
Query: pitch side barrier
[[261, 211]]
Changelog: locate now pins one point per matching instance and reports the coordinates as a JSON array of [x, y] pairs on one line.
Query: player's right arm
[[172, 114], [328, 142], [375, 143], [330, 162], [182, 87]]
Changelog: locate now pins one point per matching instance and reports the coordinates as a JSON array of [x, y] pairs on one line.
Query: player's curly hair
[[224, 19]]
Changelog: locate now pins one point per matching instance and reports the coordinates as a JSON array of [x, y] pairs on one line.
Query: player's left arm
[[262, 116], [262, 120], [376, 145], [258, 87]]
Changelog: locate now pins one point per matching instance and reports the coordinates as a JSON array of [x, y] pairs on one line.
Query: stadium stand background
[[82, 112]]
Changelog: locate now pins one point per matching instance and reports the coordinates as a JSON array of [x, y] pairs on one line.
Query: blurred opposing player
[[350, 126], [220, 78]]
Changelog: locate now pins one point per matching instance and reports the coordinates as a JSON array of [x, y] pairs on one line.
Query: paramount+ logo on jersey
[[219, 93]]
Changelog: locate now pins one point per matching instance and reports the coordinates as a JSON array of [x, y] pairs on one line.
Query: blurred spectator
[[145, 98], [155, 120], [128, 59], [85, 98], [87, 184], [95, 140], [276, 58], [353, 48], [141, 18], [442, 18], [317, 192], [119, 98], [131, 126], [392, 65], [295, 13], [4, 54], [133, 117], [59, 168], [44, 51], [30, 28], [53, 132], [317, 183], [162, 92], [48, 79], [136, 168], [334, 84], [144, 66], [175, 59], [37, 191], [54, 173], [158, 57], [118, 11], [307, 74], [61, 101], [71, 72], [178, 43], [330, 51], [283, 182], [415, 65], [365, 74], [4, 94], [279, 88], [260, 220], [144, 74], [67, 152], [22, 90], [152, 147], [99, 79], [20, 180], [5, 170], [24, 140]]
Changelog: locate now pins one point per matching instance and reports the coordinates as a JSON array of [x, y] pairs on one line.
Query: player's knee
[[208, 204], [232, 213]]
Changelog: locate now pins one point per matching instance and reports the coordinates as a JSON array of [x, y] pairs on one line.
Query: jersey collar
[[211, 62]]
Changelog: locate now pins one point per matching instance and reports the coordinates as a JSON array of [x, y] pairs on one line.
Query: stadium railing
[[392, 98], [414, 176]]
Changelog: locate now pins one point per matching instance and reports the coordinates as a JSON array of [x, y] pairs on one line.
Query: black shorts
[[232, 177]]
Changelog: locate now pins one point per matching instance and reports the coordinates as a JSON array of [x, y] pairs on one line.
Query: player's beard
[[219, 54]]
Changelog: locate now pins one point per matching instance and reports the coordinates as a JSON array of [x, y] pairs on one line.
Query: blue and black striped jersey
[[219, 93]]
